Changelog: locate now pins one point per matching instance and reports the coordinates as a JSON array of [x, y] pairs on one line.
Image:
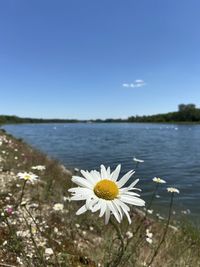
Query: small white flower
[[27, 176], [67, 199], [84, 233], [39, 168], [129, 235], [158, 180], [149, 236], [173, 190], [49, 251], [148, 233], [150, 211], [103, 191], [19, 261], [149, 240], [58, 207], [138, 160]]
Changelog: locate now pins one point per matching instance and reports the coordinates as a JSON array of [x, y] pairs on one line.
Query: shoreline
[[76, 240]]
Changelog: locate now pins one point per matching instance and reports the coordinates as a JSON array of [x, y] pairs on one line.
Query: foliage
[[185, 113]]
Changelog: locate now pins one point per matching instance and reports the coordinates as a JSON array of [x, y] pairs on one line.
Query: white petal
[[114, 210], [107, 217], [103, 207], [81, 210], [91, 202], [79, 197], [122, 205], [125, 178], [129, 193], [133, 200], [104, 174], [131, 186], [96, 207], [88, 176], [81, 181], [80, 190], [115, 173], [108, 171], [128, 216], [118, 208], [125, 209], [96, 175]]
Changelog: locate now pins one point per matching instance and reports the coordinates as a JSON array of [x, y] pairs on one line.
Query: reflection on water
[[171, 152]]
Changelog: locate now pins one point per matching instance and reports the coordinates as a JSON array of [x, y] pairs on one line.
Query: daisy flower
[[158, 180], [173, 190], [27, 176], [138, 160], [104, 192], [39, 168], [149, 236], [58, 207]]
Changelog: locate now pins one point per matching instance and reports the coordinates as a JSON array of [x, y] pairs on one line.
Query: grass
[[34, 227]]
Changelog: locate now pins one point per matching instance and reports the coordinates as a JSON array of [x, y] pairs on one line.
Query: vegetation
[[185, 113], [33, 233], [5, 119]]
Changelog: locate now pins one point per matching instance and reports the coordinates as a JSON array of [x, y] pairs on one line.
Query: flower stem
[[121, 251], [40, 256], [22, 194], [148, 207], [165, 232]]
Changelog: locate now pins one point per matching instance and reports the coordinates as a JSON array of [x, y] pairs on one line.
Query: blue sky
[[98, 59]]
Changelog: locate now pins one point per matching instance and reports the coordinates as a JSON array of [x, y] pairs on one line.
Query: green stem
[[165, 232], [40, 256], [119, 256], [22, 194], [38, 228]]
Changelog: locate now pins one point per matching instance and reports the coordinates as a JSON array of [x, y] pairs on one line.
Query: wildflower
[[129, 235], [33, 229], [9, 210], [19, 261], [105, 192], [138, 160], [58, 207], [27, 176], [39, 168], [158, 180], [149, 236], [173, 190], [149, 240], [67, 199], [150, 211], [49, 251]]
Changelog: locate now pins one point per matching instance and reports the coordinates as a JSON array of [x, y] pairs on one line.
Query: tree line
[[185, 113]]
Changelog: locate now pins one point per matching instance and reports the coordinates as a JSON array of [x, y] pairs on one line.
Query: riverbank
[[39, 227]]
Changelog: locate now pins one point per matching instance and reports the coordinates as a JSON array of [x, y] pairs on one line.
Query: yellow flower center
[[106, 189], [26, 177]]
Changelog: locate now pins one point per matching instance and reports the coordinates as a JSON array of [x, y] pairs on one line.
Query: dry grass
[[75, 240]]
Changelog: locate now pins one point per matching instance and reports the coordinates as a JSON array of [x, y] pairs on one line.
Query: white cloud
[[136, 84], [139, 81]]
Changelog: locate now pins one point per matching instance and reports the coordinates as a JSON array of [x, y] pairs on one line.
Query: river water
[[169, 151]]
